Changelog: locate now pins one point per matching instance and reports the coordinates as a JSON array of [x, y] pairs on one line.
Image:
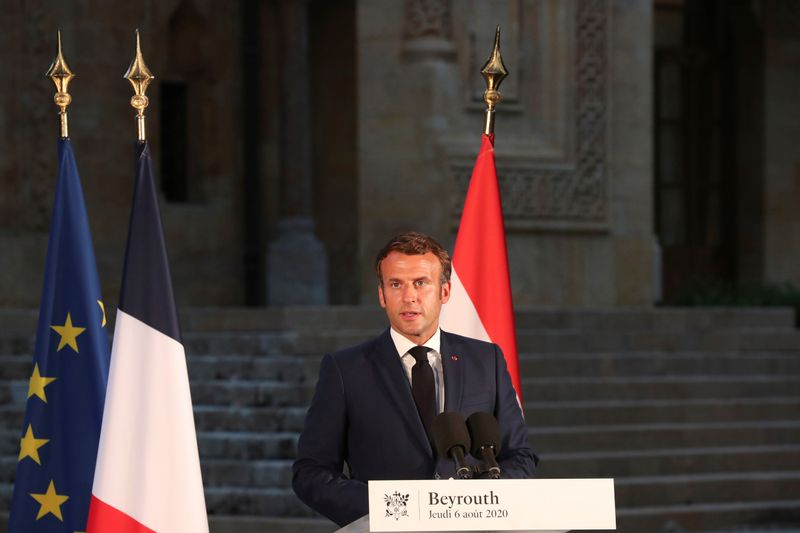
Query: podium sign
[[491, 505]]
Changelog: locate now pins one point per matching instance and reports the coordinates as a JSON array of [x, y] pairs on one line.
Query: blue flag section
[[67, 384], [146, 291]]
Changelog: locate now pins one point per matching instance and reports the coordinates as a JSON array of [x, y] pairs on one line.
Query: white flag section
[[461, 316], [148, 466]]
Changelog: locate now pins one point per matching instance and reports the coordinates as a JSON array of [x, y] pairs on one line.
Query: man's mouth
[[409, 315]]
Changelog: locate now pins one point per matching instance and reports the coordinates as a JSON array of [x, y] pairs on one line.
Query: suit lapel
[[390, 369], [453, 373]]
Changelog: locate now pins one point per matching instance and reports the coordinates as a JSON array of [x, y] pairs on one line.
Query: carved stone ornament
[[427, 18], [572, 195]]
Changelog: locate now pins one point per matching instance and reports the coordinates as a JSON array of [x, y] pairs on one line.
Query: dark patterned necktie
[[423, 386]]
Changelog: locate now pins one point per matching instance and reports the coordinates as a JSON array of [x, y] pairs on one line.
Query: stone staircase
[[695, 413]]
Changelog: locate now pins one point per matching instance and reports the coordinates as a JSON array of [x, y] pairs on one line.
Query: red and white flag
[[480, 296], [147, 477]]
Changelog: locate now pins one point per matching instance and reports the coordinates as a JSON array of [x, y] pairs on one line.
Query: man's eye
[[420, 283], [394, 285]]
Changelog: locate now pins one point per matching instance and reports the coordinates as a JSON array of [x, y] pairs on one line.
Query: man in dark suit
[[369, 413]]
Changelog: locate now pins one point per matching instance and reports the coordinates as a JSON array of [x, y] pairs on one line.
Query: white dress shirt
[[403, 345]]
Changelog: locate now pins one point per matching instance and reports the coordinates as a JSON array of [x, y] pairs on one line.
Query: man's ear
[[381, 299], [445, 294]]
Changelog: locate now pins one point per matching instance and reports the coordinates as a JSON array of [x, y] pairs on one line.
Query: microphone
[[452, 440], [486, 442]]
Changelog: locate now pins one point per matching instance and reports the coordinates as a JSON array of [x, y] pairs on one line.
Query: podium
[[496, 505]]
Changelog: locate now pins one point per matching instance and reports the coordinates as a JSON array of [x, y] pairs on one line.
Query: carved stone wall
[[574, 195], [575, 171]]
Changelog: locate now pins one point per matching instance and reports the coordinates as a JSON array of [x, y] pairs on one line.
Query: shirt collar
[[403, 345]]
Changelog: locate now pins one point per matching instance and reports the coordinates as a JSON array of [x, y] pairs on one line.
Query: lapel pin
[[454, 357]]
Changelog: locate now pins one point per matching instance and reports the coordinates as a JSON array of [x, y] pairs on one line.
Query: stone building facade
[[294, 136]]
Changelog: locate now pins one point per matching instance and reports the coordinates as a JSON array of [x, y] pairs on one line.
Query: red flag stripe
[[106, 519], [481, 259]]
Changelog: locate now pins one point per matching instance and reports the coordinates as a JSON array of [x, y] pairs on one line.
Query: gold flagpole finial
[[140, 77], [61, 75], [493, 72]]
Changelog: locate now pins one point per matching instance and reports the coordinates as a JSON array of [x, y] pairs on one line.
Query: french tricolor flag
[[147, 477], [480, 303]]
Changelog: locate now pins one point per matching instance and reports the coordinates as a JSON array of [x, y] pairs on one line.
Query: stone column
[[297, 267], [406, 101]]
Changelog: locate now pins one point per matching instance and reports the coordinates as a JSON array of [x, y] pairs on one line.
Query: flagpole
[[493, 72], [61, 75], [140, 77]]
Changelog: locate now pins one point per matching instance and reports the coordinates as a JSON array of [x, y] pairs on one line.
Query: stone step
[[13, 392], [249, 319], [659, 387], [16, 345], [656, 363], [212, 444], [254, 344], [630, 463], [8, 468], [706, 488], [595, 412], [249, 419], [16, 366], [12, 415], [207, 418], [708, 516], [250, 393], [232, 500], [201, 367], [638, 341], [658, 436], [270, 473], [246, 367], [246, 446], [213, 392], [668, 319], [262, 524]]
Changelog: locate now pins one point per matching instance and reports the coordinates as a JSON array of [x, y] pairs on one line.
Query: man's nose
[[409, 293]]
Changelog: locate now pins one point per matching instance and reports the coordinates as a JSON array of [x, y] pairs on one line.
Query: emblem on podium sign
[[396, 505]]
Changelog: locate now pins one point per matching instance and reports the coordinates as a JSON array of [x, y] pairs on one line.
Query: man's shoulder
[[454, 340], [359, 351]]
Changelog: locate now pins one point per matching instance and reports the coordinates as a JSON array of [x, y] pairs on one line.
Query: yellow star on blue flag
[[69, 334], [50, 502]]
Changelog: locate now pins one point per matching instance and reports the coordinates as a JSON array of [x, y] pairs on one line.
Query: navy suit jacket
[[363, 414]]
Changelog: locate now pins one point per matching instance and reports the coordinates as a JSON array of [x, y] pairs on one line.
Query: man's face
[[412, 294]]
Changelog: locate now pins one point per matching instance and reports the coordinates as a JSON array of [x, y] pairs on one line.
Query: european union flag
[[66, 390]]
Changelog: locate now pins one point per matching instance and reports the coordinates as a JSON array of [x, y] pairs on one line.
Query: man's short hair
[[414, 243]]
